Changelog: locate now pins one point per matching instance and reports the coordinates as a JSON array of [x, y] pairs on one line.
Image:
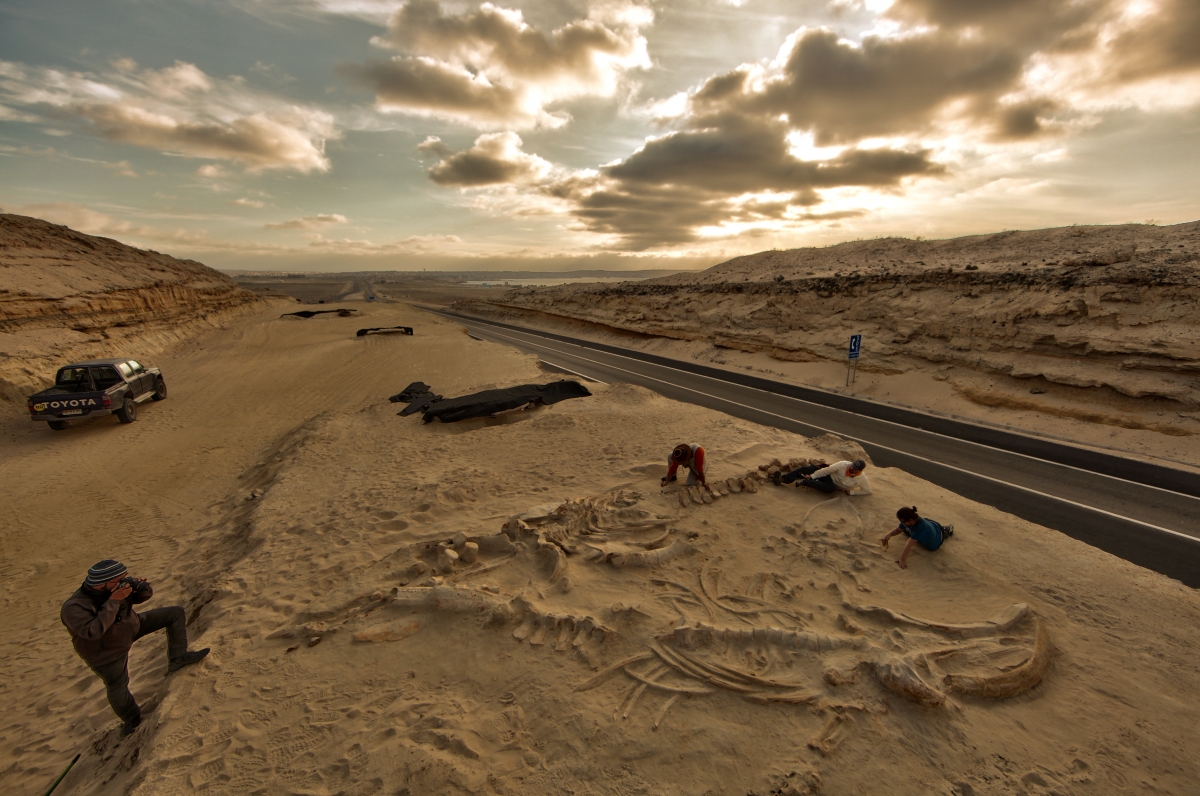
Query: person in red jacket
[[103, 626], [691, 457]]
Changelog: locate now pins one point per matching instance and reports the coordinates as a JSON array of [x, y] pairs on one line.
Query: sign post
[[852, 358]]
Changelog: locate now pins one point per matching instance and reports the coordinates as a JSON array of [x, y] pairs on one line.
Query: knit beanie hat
[[104, 571]]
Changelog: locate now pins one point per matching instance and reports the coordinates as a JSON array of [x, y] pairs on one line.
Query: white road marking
[[868, 417], [885, 447], [573, 372]]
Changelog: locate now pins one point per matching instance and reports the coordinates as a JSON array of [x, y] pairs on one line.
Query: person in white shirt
[[847, 477]]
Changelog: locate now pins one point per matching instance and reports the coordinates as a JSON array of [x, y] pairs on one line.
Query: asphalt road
[[1145, 513]]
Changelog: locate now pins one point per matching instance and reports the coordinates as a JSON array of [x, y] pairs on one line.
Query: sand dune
[[774, 648]]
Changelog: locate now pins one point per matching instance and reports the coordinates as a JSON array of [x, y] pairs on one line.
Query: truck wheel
[[59, 425], [160, 390], [128, 412]]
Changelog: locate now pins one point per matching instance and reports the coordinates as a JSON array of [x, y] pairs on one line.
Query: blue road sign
[[855, 345]]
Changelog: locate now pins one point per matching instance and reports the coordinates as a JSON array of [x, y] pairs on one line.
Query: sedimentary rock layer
[[67, 295], [1083, 306]]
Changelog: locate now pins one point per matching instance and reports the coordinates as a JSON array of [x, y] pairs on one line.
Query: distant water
[[548, 282]]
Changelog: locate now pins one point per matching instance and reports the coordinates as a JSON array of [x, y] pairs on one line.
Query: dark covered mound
[[306, 314], [384, 330], [490, 402]]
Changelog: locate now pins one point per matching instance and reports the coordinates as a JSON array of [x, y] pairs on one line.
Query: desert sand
[[1088, 334], [596, 635]]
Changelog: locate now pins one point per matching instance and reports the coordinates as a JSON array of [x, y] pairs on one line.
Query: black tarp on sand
[[490, 402]]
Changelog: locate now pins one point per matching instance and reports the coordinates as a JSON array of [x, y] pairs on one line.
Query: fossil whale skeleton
[[757, 643]]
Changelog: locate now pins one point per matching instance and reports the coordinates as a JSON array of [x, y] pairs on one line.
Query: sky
[[345, 135]]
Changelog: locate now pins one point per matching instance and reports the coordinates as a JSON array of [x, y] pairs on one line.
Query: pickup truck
[[96, 388]]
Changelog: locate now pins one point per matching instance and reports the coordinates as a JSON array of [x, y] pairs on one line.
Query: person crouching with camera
[[103, 627]]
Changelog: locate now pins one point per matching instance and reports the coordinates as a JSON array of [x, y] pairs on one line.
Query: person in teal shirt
[[927, 533]]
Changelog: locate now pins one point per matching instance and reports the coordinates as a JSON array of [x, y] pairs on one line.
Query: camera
[[132, 583]]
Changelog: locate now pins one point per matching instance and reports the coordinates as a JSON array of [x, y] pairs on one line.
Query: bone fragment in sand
[[649, 558], [597, 678], [387, 633], [900, 677], [1010, 683], [733, 485], [700, 634], [1005, 620], [831, 735], [685, 499], [662, 712], [558, 559], [469, 553], [446, 560]]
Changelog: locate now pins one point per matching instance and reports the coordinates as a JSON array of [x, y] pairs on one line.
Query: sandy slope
[[277, 495]]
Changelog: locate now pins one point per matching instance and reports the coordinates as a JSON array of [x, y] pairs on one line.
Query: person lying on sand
[[103, 626], [846, 476], [691, 457], [927, 533]]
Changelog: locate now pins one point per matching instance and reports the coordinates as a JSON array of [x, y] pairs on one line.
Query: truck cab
[[96, 388]]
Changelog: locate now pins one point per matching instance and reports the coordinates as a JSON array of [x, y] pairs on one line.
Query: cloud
[[760, 146], [246, 202], [733, 171], [178, 110], [488, 68], [309, 222], [211, 171], [434, 146], [1164, 41], [123, 169], [843, 91], [495, 158]]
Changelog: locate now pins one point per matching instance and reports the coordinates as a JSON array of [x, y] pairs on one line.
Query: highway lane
[[1153, 527]]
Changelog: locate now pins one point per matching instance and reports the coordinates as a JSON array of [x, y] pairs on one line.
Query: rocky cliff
[[1091, 307], [66, 295]]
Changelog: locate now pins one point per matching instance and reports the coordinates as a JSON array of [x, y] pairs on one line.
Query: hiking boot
[[130, 726], [947, 531], [186, 659], [777, 478]]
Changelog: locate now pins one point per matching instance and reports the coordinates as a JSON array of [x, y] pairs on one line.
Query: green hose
[[60, 776]]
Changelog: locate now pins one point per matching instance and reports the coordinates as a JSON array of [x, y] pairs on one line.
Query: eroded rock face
[[1083, 306], [66, 295]]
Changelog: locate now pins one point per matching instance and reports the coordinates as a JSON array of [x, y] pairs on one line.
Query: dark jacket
[[103, 630]]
